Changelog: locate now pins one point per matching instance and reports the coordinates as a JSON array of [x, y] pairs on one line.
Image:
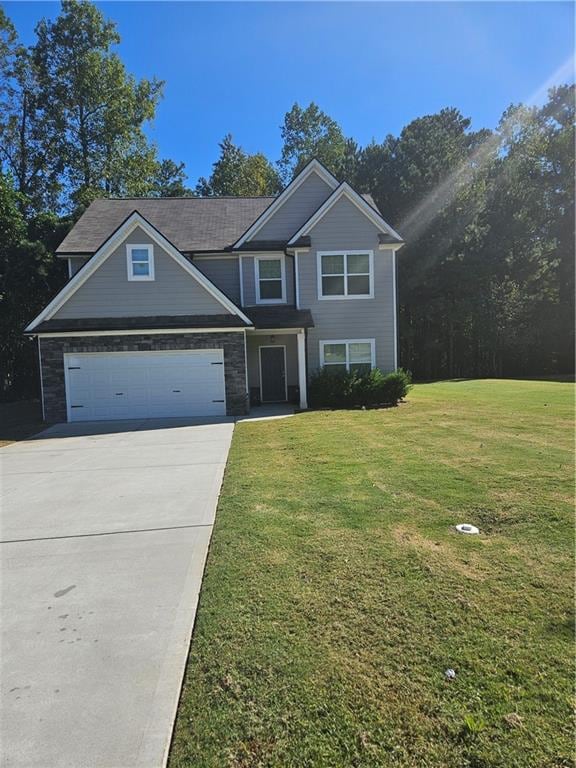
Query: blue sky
[[238, 67]]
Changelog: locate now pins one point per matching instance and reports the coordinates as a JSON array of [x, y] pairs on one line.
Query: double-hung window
[[345, 274], [270, 280], [354, 355], [140, 262]]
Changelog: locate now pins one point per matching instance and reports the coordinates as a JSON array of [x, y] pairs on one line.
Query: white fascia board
[[273, 331], [139, 331], [105, 250], [214, 256], [390, 246], [256, 253], [344, 190], [313, 167]]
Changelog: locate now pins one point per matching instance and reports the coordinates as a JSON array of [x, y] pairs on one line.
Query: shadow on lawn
[[561, 378]]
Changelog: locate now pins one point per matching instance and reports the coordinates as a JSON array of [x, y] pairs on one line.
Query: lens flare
[[419, 219]]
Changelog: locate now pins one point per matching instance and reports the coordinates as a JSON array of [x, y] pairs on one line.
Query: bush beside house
[[351, 389]]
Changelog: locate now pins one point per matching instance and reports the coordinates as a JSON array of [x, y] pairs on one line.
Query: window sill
[[345, 298]]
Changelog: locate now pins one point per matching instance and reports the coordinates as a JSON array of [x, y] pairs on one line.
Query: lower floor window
[[357, 355]]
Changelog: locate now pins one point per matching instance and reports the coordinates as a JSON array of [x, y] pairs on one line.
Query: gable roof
[[199, 224], [369, 210], [192, 224], [135, 219], [314, 166]]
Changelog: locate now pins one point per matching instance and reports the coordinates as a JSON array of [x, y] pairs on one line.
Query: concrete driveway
[[105, 531]]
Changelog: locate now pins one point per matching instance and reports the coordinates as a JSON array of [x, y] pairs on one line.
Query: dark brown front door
[[273, 374]]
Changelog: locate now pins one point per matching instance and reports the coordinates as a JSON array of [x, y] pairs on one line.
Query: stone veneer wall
[[53, 349]]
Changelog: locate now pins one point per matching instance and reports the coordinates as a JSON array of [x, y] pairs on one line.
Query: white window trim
[[347, 342], [257, 260], [345, 254], [133, 247]]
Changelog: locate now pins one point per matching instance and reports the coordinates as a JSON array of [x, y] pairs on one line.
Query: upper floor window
[[270, 280], [345, 274], [140, 262]]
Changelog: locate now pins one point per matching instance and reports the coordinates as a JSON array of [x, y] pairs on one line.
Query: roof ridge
[[189, 197]]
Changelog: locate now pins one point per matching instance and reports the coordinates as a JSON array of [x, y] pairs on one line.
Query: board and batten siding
[[296, 210], [344, 227], [249, 278], [109, 293], [224, 273]]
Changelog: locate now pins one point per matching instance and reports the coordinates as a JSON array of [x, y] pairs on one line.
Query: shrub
[[349, 389], [398, 384], [330, 389]]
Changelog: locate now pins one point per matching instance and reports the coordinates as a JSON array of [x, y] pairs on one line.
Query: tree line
[[485, 282]]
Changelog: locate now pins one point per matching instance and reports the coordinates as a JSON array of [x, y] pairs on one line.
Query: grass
[[337, 593], [19, 421]]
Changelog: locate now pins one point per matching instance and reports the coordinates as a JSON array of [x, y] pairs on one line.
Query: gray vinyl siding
[[248, 281], [344, 227], [249, 278], [296, 210], [75, 264], [255, 341], [224, 273], [290, 293], [109, 293]]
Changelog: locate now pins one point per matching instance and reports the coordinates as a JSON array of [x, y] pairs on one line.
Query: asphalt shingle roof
[[190, 223], [280, 317]]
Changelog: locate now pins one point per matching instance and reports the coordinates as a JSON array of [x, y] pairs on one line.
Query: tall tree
[[169, 180], [28, 132], [99, 107], [311, 133], [238, 173], [29, 275], [486, 281], [427, 184], [531, 212]]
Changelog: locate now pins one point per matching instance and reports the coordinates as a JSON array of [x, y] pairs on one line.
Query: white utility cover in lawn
[[104, 386]]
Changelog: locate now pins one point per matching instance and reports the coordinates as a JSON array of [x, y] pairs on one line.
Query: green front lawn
[[337, 591]]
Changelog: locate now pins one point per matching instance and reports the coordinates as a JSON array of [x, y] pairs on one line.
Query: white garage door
[[144, 385]]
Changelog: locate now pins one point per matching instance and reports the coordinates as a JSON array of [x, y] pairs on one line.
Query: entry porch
[[276, 366]]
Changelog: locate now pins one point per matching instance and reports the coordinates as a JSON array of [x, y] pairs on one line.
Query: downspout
[[41, 377], [395, 290], [246, 369], [296, 281]]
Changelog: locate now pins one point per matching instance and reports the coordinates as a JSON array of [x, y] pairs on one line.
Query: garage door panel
[[124, 385]]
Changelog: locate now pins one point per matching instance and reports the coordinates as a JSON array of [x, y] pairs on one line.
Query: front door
[[273, 374]]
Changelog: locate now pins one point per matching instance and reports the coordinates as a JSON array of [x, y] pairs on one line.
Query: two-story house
[[190, 307]]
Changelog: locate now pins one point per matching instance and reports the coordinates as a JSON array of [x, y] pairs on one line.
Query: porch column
[[302, 369]]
